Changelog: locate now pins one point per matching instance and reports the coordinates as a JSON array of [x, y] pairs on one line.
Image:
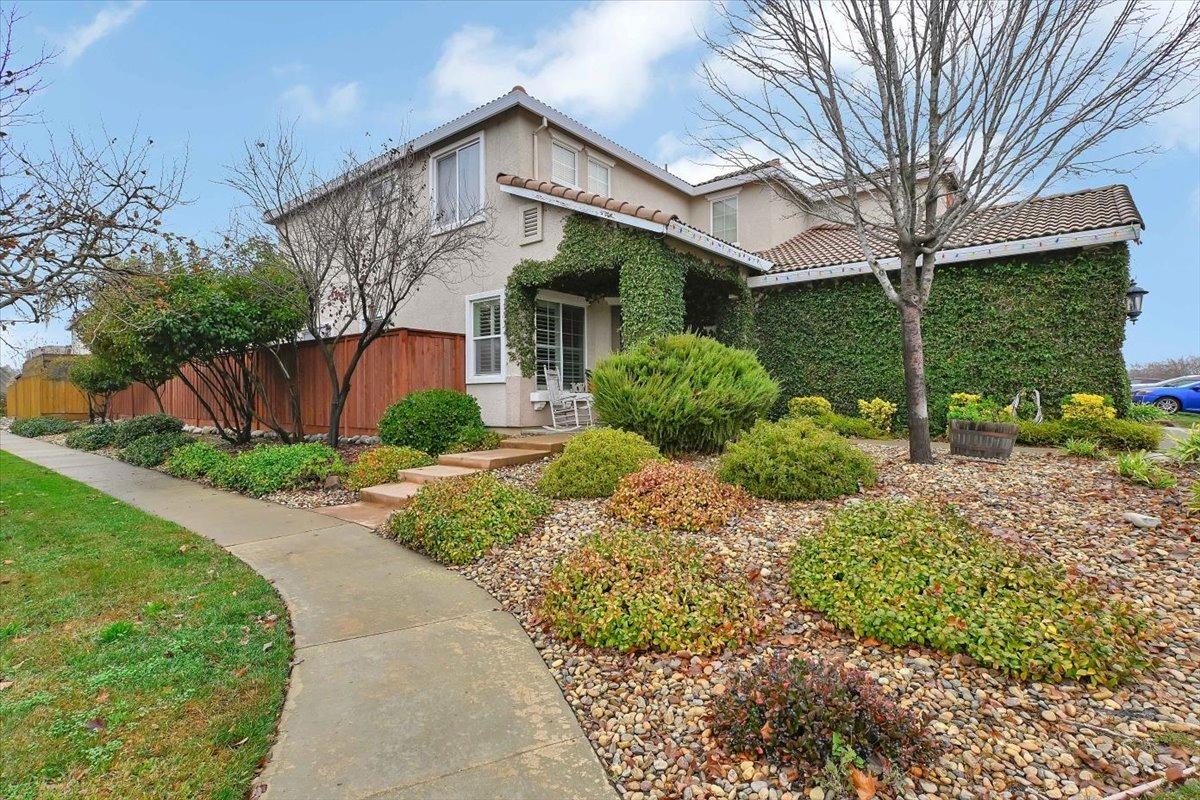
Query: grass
[[1184, 791], [1184, 419], [137, 659]]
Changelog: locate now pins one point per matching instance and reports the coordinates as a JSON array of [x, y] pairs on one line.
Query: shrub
[[1091, 407], [1083, 448], [1138, 468], [683, 393], [152, 449], [792, 711], [631, 590], [810, 406], [676, 497], [196, 460], [383, 464], [795, 460], [429, 421], [458, 520], [33, 427], [474, 437], [593, 461], [907, 573], [132, 429], [1041, 434], [1187, 451], [1193, 502], [878, 412], [842, 425], [92, 437], [274, 467], [1145, 413], [976, 408], [1111, 434]]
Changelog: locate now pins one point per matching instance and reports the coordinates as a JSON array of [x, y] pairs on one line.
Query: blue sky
[[200, 78]]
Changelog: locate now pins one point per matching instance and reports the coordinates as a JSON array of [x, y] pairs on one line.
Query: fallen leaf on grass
[[97, 724], [5, 684]]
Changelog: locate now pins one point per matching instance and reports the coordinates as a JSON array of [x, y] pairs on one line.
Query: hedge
[[1053, 322]]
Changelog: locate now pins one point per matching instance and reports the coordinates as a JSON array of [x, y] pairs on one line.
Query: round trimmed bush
[[33, 427], [593, 461], [794, 460], [382, 465], [909, 573], [132, 429], [683, 393], [631, 590], [676, 497], [196, 460], [92, 437], [430, 421], [152, 449]]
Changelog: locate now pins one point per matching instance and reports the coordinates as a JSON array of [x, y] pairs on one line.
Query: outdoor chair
[[569, 411]]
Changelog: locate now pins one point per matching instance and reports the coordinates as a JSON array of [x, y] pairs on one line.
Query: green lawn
[[137, 659], [1186, 791], [1184, 419]]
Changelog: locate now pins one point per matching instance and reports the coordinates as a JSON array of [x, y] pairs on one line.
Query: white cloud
[[696, 165], [340, 102], [107, 20], [602, 60]]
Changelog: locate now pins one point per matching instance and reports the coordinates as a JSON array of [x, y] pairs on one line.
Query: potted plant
[[980, 428]]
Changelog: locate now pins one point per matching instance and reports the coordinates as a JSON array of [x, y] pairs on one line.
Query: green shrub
[[631, 590], [878, 412], [430, 421], [795, 460], [1111, 434], [977, 408], [676, 497], [842, 425], [1139, 412], [809, 406], [593, 461], [196, 460], [1138, 468], [474, 437], [33, 427], [274, 467], [1187, 451], [798, 713], [1193, 502], [383, 464], [132, 429], [1041, 434], [1083, 448], [907, 573], [92, 437], [683, 393], [152, 449], [458, 520]]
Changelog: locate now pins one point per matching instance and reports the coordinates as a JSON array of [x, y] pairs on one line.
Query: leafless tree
[[1166, 368], [360, 245], [904, 118]]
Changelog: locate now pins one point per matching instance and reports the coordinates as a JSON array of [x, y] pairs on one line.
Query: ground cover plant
[[127, 431], [594, 461], [196, 460], [92, 437], [137, 660], [1083, 448], [383, 464], [1111, 434], [633, 590], [152, 449], [456, 521], [431, 421], [676, 497], [911, 573], [33, 427], [1138, 468], [1141, 412], [793, 459], [1187, 451], [273, 467]]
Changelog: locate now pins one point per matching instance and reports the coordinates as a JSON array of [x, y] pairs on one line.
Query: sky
[[202, 78]]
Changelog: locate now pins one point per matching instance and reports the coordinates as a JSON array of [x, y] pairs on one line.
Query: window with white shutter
[[485, 338]]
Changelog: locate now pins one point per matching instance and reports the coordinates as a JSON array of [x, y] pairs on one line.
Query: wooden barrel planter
[[982, 439]]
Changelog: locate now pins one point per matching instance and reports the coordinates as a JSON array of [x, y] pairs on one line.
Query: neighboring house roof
[[1103, 208]]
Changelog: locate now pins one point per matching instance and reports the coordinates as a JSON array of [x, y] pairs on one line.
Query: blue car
[[1181, 394]]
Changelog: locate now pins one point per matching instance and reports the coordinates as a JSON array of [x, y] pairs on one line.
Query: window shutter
[[531, 223]]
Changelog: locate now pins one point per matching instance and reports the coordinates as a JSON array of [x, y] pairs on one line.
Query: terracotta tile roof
[[587, 198], [1089, 209]]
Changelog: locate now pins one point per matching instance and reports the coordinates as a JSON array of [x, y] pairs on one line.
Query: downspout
[[545, 124]]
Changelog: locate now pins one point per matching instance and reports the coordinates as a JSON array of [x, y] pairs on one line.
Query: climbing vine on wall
[[662, 289]]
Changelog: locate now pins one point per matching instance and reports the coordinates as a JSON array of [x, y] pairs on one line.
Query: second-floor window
[[598, 178], [564, 168], [380, 192], [724, 219], [457, 183]]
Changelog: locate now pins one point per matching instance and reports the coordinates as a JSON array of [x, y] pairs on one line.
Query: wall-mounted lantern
[[1133, 301]]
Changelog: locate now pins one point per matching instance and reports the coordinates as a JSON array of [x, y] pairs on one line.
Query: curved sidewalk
[[410, 681]]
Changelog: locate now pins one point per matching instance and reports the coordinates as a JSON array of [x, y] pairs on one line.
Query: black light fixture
[[1133, 300]]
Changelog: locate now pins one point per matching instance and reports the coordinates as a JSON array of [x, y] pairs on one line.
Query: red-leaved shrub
[[676, 497]]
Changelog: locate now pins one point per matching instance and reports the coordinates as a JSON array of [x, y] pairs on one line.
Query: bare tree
[[360, 245], [1166, 368], [904, 118]]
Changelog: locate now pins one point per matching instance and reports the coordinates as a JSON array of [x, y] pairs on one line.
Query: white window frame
[[383, 180], [431, 172], [593, 161], [470, 301], [575, 152], [561, 299], [712, 214]]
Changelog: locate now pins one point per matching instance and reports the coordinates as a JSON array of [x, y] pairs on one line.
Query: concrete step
[[491, 459], [390, 495], [436, 472], [371, 515], [542, 443]]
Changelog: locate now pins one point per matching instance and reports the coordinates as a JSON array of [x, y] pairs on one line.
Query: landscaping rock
[[1141, 520]]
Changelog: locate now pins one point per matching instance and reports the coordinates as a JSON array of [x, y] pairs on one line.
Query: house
[[576, 218]]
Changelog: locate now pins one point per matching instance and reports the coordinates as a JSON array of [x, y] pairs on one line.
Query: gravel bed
[[649, 716]]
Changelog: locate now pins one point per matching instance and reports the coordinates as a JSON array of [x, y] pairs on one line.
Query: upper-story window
[[380, 192], [724, 218], [458, 184], [564, 166], [598, 178]]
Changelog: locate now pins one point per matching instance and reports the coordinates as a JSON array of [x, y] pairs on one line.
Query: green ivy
[[662, 290], [1053, 322]]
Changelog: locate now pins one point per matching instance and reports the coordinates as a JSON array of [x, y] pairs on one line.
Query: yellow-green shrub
[[383, 464], [793, 459], [1091, 407], [676, 497], [593, 461], [809, 406], [878, 412]]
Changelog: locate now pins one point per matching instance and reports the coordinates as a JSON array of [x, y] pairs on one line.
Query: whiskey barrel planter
[[992, 440]]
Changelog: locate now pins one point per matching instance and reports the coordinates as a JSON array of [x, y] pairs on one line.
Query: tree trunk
[[157, 392], [920, 450], [335, 418]]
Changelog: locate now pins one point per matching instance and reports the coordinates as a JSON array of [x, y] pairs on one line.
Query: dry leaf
[[864, 783], [5, 684]]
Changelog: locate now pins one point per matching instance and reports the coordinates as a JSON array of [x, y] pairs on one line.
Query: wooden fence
[[44, 396]]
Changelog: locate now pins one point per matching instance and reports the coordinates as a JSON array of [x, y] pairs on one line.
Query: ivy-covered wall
[[1053, 322]]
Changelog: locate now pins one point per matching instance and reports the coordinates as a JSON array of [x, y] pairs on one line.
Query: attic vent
[[531, 224]]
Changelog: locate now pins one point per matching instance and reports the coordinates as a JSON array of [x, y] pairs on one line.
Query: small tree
[[99, 379]]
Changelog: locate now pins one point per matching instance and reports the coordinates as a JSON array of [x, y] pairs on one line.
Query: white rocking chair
[[569, 411]]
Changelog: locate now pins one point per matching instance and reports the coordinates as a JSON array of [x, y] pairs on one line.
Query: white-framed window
[[486, 358], [599, 178], [564, 164], [724, 219], [457, 183], [380, 191], [559, 340]]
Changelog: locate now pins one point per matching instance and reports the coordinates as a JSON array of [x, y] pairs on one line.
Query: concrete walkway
[[411, 682]]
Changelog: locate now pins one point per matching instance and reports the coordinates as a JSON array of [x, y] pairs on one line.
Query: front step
[[492, 459], [370, 515], [391, 495], [436, 472], [542, 443]]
